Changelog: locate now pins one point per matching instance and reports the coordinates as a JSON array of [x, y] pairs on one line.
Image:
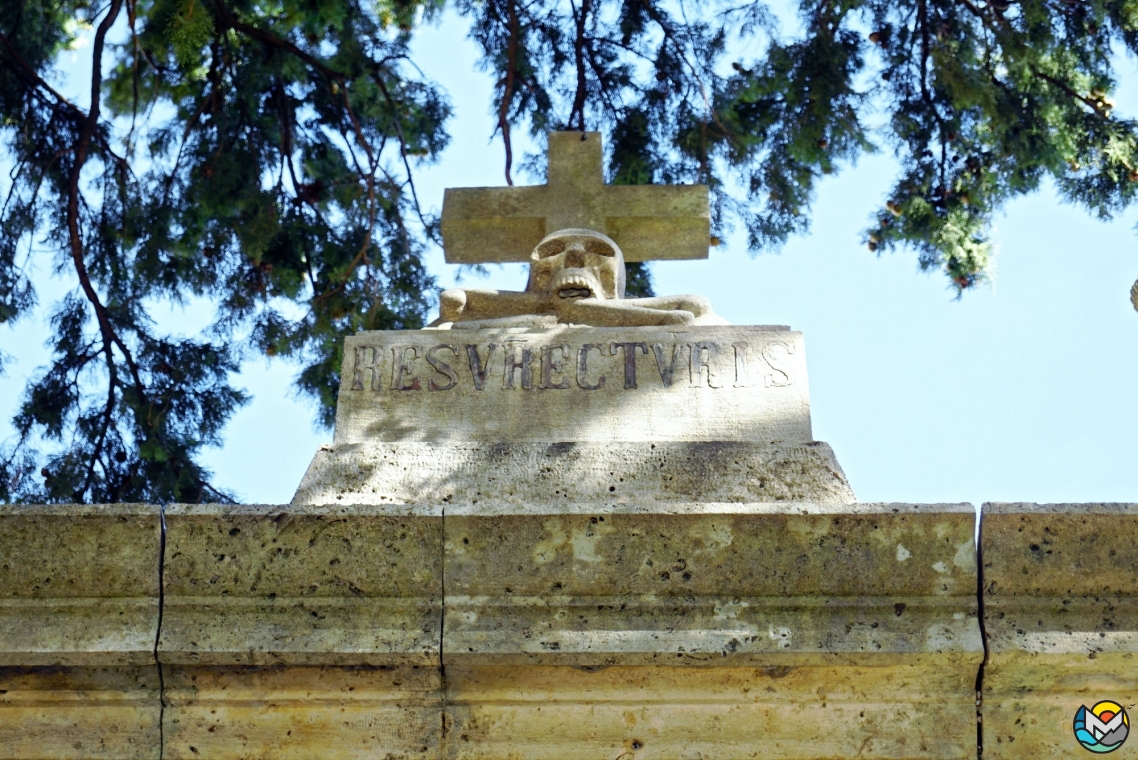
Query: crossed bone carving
[[576, 277]]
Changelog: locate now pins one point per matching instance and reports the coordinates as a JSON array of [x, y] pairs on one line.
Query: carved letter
[[742, 379], [549, 365], [513, 363], [442, 368], [374, 366], [402, 366], [478, 369], [666, 372], [700, 360], [781, 375], [583, 367], [629, 360]]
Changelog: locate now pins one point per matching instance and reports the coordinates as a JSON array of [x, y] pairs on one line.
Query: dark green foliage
[[279, 190], [260, 154], [638, 283]]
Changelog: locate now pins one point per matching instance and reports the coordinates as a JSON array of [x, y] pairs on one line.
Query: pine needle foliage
[[261, 155]]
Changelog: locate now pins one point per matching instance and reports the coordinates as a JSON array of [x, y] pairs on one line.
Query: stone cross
[[648, 222]]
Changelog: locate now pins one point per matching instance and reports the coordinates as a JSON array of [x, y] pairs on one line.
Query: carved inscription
[[519, 365], [443, 368], [583, 368]]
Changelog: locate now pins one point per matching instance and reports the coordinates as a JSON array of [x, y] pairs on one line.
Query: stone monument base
[[564, 475]]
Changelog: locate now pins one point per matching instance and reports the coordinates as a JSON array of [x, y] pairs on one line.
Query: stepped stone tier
[[562, 523], [569, 415]]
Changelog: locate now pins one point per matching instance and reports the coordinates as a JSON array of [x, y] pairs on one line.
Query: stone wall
[[689, 630]]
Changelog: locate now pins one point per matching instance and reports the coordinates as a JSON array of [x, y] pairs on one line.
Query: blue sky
[[1024, 390]]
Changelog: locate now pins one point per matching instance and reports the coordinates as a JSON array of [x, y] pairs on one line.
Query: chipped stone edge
[[490, 508], [318, 510], [79, 510], [1058, 508]]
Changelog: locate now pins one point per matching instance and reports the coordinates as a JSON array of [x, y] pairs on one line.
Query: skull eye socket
[[550, 248], [599, 247]]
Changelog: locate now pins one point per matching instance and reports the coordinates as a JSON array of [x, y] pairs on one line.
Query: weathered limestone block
[[109, 713], [893, 710], [711, 630], [79, 584], [301, 632], [303, 712], [593, 384], [78, 623], [1060, 603], [545, 474]]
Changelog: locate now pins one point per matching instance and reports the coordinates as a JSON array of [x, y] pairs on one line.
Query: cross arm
[[659, 222], [491, 225]]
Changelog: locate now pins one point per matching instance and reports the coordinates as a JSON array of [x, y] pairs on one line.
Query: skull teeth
[[574, 286]]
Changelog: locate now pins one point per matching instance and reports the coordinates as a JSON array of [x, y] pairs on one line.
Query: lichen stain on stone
[[965, 555], [730, 610], [811, 528], [711, 537], [939, 637], [545, 551], [903, 553], [781, 635], [584, 541]]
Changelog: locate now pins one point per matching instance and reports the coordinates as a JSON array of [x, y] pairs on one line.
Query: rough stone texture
[[564, 476], [78, 623], [649, 222], [1060, 612], [84, 712], [255, 585], [303, 712], [749, 581], [708, 630], [301, 632], [652, 629], [672, 384], [915, 708], [78, 584]]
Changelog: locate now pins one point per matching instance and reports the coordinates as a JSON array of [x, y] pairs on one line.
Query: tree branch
[[508, 88], [402, 149], [1093, 104], [579, 55], [232, 22], [82, 148]]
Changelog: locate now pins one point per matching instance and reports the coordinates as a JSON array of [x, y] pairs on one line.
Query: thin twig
[[403, 151]]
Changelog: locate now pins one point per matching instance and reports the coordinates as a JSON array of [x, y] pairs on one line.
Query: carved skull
[[576, 263]]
